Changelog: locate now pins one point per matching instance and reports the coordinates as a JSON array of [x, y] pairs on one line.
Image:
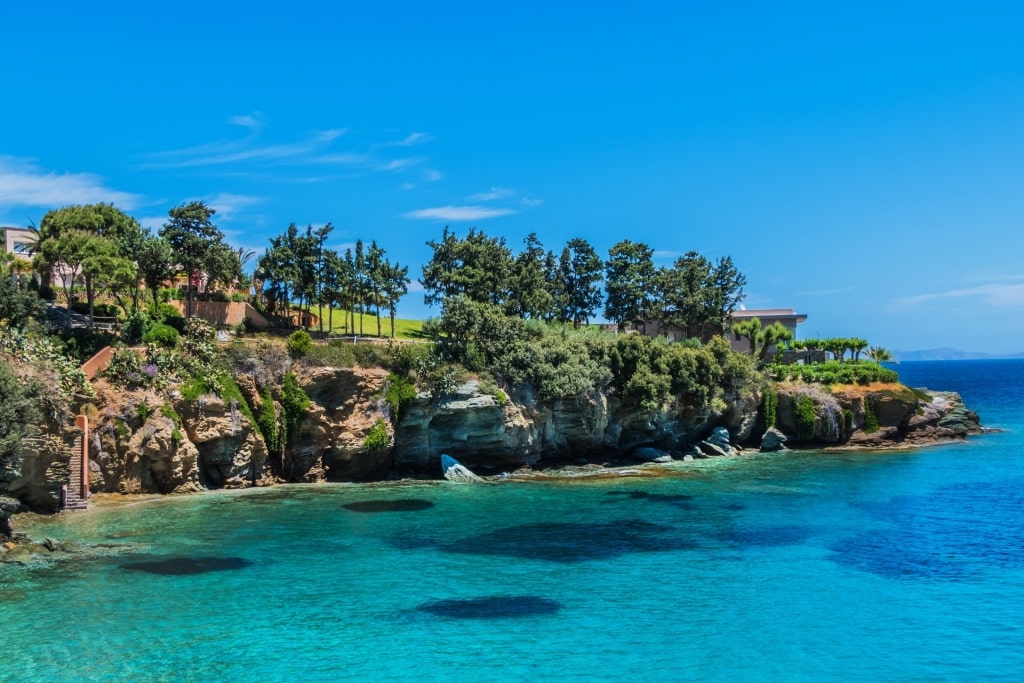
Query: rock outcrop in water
[[881, 416]]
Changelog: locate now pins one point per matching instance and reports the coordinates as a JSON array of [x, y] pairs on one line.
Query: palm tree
[[879, 355]]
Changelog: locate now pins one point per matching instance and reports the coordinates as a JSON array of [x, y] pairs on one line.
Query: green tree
[[629, 274], [530, 295], [375, 274], [86, 241], [18, 304], [394, 285], [477, 267], [579, 276], [18, 411], [278, 272], [194, 239], [879, 354], [156, 265], [699, 296]]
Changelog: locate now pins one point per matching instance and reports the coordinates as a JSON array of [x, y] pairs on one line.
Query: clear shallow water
[[898, 566]]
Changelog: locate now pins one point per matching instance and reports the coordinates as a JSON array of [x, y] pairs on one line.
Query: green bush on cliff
[[870, 416], [399, 392], [377, 438], [771, 406], [164, 335], [294, 403], [266, 423], [299, 343], [806, 414]]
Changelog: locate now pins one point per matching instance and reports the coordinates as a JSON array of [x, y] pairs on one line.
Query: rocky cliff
[[876, 416], [144, 441]]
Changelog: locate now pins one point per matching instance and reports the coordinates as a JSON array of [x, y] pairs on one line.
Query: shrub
[[371, 355], [377, 438], [847, 421], [806, 414], [101, 310], [771, 406], [336, 355], [399, 392], [163, 335], [135, 327], [170, 315], [299, 343], [266, 422], [870, 417], [294, 403], [834, 372]]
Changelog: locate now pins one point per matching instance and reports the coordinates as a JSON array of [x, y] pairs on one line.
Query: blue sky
[[861, 162]]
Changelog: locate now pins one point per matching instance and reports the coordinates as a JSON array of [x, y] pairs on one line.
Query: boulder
[[711, 449], [8, 506], [650, 454], [773, 440]]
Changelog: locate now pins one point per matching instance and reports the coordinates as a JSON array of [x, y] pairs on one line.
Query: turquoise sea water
[[798, 567]]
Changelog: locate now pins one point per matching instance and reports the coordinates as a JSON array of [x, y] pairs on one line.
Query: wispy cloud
[[228, 205], [666, 254], [254, 121], [250, 150], [458, 213], [531, 201], [996, 295], [492, 194], [24, 183], [399, 164], [410, 140], [432, 175], [416, 286]]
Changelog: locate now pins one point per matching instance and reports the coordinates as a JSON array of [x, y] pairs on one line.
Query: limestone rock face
[[903, 417], [230, 450], [471, 426], [36, 473], [346, 404]]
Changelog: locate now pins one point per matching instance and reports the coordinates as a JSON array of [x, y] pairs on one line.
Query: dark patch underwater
[[399, 505], [491, 607], [183, 566]]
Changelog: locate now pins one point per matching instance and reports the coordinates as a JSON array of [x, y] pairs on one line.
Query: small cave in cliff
[[183, 566], [492, 607], [399, 505]]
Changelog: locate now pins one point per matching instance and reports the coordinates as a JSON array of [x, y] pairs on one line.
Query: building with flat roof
[[18, 241], [787, 317]]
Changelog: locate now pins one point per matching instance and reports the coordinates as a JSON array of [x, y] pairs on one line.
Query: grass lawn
[[404, 329]]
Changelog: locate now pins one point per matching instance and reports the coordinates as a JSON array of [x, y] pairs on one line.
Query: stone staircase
[[74, 498]]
